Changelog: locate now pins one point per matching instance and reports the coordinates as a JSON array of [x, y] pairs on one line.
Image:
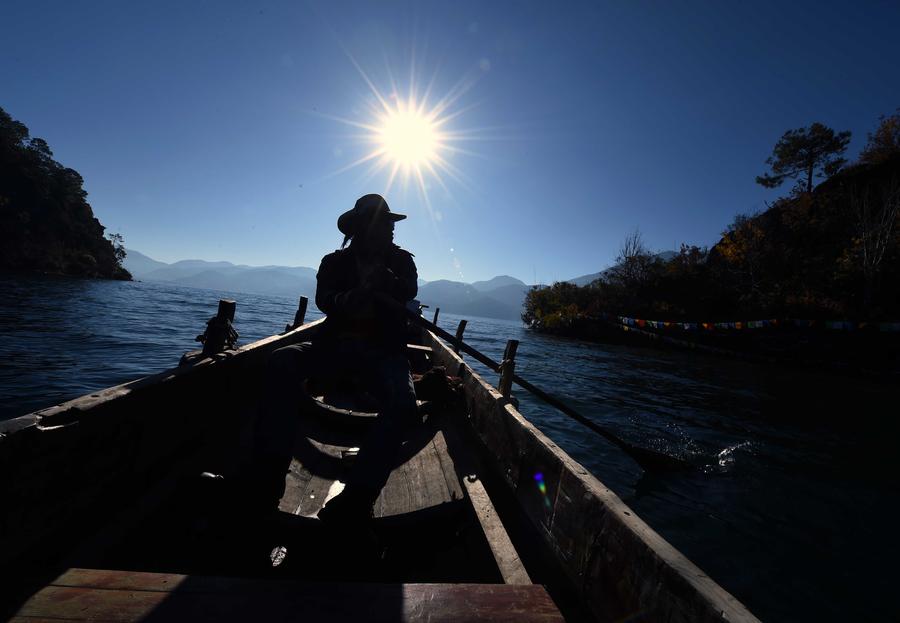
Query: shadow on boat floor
[[443, 543]]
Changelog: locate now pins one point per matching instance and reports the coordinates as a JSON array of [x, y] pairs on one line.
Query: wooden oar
[[646, 458]]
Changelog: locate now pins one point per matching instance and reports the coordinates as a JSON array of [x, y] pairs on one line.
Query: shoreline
[[868, 353]]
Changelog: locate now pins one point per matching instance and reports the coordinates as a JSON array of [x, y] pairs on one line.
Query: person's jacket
[[350, 313]]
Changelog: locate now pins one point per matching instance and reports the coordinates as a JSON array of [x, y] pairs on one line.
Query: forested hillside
[[46, 223], [827, 251]]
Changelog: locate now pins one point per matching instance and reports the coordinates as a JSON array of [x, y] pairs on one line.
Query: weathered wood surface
[[468, 468], [424, 477], [300, 315], [508, 368], [306, 486], [219, 331], [460, 330], [123, 596], [430, 472], [620, 566]]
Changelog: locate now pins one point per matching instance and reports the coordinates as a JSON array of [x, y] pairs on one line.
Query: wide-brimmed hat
[[368, 208]]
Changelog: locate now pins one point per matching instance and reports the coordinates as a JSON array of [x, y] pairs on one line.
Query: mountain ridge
[[499, 297], [478, 299]]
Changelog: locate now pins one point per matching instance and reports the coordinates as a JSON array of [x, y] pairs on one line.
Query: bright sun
[[409, 138]]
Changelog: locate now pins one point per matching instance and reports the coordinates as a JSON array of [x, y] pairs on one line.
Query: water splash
[[725, 458]]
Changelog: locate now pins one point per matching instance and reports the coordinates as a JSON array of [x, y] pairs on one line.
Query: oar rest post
[[459, 335], [299, 316], [220, 333], [508, 368]]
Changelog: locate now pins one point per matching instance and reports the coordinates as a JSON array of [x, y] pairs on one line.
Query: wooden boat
[[484, 517]]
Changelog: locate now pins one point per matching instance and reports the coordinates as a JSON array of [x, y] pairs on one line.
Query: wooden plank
[[508, 562], [505, 555], [295, 485], [427, 477], [419, 482], [448, 468], [395, 498], [317, 487], [416, 480], [121, 596], [115, 579]]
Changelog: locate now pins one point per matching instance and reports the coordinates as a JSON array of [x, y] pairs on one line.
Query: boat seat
[[124, 596]]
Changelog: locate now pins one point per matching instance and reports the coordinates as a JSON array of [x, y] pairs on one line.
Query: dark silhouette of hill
[[46, 223], [830, 253]]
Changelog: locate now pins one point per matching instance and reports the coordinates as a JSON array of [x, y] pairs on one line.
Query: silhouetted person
[[357, 335]]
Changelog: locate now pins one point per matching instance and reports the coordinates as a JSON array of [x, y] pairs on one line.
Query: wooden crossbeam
[[125, 596]]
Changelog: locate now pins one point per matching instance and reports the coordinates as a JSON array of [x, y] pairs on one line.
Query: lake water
[[793, 509]]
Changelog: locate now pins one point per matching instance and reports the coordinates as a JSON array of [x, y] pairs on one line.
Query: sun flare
[[409, 138]]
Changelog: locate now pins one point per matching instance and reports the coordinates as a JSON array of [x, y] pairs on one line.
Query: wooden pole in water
[[437, 311], [459, 336], [508, 368]]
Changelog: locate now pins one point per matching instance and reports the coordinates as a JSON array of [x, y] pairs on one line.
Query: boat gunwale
[[668, 576], [69, 411], [56, 483]]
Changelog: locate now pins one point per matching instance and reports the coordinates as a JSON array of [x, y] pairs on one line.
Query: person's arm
[[331, 298], [326, 290], [404, 285], [398, 279]]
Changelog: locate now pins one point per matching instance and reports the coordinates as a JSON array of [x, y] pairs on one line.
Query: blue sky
[[219, 130]]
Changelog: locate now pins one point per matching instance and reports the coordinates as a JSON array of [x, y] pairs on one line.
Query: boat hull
[[118, 452]]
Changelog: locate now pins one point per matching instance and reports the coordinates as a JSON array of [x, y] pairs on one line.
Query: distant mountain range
[[500, 297]]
